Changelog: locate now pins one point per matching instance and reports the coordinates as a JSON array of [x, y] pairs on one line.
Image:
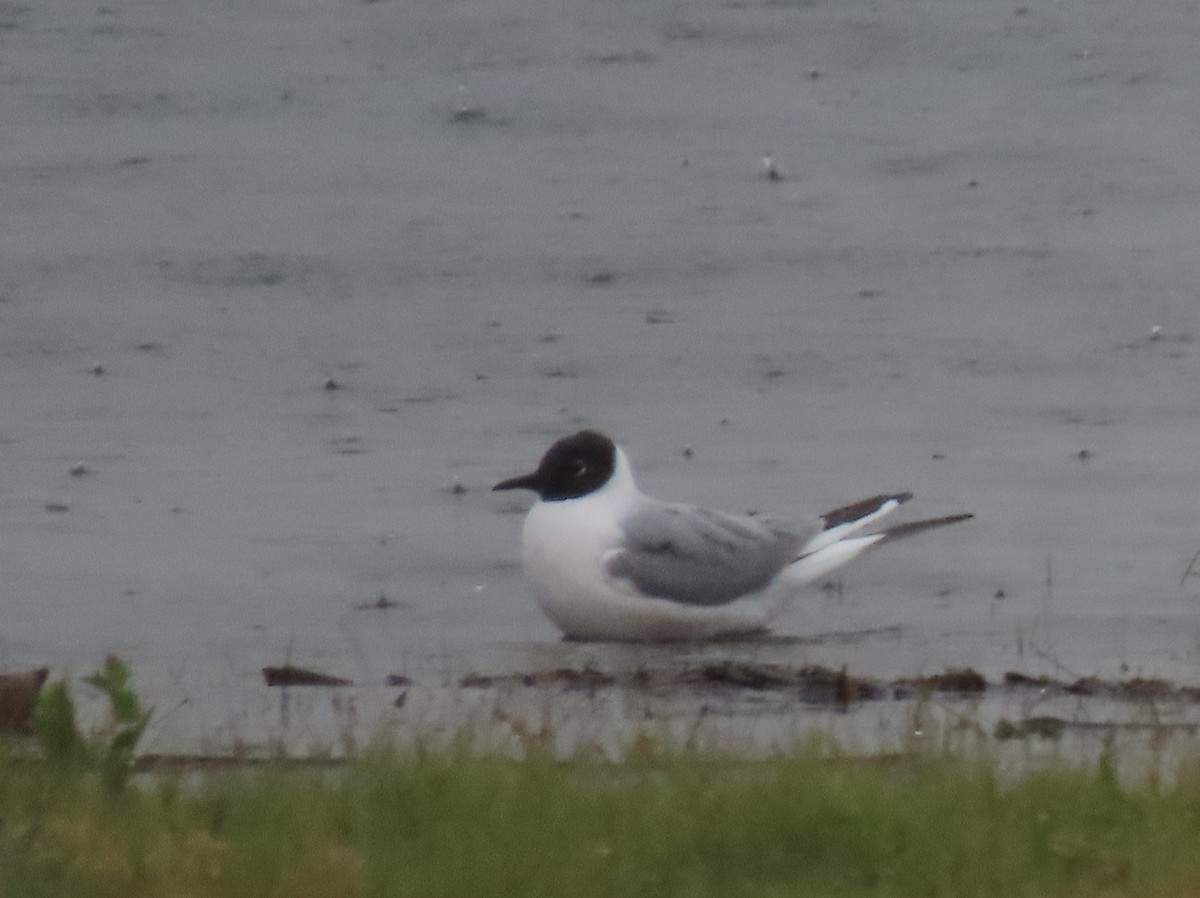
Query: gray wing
[[701, 557]]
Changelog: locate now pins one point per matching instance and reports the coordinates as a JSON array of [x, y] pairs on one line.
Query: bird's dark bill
[[524, 482]]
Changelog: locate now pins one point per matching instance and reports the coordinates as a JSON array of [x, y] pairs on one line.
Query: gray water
[[277, 276]]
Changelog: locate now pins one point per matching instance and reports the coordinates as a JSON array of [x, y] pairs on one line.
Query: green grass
[[689, 824], [922, 822]]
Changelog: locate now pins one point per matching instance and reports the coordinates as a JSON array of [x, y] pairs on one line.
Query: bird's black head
[[572, 467]]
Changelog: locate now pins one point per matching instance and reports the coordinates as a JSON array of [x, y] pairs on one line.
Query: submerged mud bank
[[819, 685]]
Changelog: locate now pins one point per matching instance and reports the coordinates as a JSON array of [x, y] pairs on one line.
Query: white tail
[[841, 522], [810, 568], [834, 545]]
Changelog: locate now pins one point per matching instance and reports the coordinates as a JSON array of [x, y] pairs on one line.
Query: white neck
[[621, 481]]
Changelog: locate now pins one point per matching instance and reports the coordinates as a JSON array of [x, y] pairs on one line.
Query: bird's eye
[[579, 467]]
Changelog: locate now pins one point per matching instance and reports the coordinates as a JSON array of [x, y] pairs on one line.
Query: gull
[[608, 563]]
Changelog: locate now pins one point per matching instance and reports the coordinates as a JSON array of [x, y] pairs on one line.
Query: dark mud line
[[812, 684], [826, 686]]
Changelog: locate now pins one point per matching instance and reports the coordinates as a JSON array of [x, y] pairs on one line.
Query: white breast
[[565, 545]]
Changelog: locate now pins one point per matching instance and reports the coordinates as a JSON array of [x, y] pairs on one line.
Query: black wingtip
[[910, 528], [862, 508]]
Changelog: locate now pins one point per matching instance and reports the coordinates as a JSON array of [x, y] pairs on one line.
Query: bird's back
[[697, 556]]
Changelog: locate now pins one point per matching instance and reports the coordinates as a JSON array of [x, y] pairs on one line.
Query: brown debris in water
[[1137, 689], [1025, 681], [811, 683], [18, 697], [960, 679], [743, 675], [587, 678], [299, 676], [816, 684]]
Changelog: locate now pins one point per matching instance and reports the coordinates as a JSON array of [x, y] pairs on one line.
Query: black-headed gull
[[608, 562]]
